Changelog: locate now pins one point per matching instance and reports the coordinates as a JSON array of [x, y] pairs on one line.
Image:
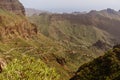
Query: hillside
[[22, 49], [52, 46], [105, 67], [86, 36], [106, 20], [75, 32], [21, 42], [57, 27], [19, 38]]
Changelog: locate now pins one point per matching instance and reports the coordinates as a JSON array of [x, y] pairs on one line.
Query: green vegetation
[[53, 46], [67, 29], [105, 67], [26, 52], [28, 68], [82, 41]]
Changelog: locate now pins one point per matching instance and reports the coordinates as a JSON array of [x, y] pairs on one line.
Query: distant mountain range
[[32, 11]]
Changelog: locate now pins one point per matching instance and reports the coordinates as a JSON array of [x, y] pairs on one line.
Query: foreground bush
[[28, 68]]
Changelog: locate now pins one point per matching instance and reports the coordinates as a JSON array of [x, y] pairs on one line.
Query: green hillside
[[66, 28], [83, 40], [85, 36], [19, 38], [105, 67], [107, 20], [25, 52], [52, 46]]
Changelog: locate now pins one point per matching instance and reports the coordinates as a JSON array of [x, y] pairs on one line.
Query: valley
[[53, 46]]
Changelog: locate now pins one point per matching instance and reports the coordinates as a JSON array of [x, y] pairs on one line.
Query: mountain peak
[[13, 6]]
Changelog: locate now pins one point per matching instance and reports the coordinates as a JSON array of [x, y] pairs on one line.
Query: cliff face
[[13, 6]]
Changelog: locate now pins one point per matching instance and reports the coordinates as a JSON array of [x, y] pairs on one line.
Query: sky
[[71, 5]]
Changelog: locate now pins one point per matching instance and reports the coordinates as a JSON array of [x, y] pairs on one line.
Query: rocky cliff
[[13, 6]]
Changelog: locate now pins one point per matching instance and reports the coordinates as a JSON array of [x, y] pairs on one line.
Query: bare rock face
[[13, 6]]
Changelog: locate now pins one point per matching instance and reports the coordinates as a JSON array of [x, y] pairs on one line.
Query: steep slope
[[83, 42], [12, 6], [57, 27], [20, 43], [85, 36], [63, 41], [10, 26], [108, 20], [105, 67], [19, 37], [74, 32]]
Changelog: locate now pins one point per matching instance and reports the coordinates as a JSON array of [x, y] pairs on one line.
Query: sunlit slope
[[20, 43], [67, 28], [83, 42]]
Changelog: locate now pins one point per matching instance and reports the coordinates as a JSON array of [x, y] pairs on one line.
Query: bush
[[28, 68]]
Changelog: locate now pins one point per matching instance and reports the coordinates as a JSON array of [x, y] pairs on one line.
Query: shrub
[[28, 68]]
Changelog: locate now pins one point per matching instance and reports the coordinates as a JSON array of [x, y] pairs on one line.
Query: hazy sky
[[71, 5]]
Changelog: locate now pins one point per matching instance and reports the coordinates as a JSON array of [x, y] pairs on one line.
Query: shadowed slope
[[105, 67]]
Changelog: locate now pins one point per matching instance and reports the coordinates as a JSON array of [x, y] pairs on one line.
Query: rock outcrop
[[13, 6]]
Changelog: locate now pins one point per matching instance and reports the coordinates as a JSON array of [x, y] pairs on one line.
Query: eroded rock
[[13, 6]]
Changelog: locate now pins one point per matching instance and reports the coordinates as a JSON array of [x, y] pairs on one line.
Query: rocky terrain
[[12, 6]]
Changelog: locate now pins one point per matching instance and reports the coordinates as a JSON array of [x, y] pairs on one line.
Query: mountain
[[76, 31], [12, 6], [51, 45], [86, 36], [105, 67], [22, 45], [25, 52], [107, 20]]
